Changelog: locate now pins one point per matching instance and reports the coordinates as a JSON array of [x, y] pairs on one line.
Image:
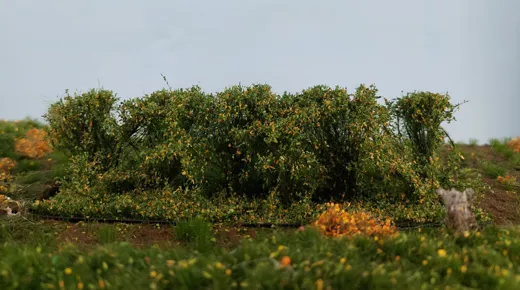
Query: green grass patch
[[501, 147], [107, 234], [22, 230], [26, 165], [302, 260], [196, 232], [31, 177], [493, 170], [473, 142], [515, 161]]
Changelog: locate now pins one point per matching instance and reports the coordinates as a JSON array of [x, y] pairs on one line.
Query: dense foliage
[[175, 153]]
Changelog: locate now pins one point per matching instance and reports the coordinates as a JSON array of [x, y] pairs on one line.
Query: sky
[[467, 48]]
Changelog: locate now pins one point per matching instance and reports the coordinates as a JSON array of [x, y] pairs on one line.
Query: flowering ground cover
[[290, 259]]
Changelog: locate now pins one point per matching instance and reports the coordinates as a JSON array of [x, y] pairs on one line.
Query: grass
[[493, 170], [26, 165], [196, 232], [473, 142], [31, 177], [501, 147], [107, 234], [28, 232], [515, 161], [279, 260]]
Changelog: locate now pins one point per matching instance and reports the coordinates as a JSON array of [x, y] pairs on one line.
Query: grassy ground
[[48, 254]]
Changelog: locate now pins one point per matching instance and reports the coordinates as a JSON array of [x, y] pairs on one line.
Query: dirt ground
[[141, 235], [501, 204]]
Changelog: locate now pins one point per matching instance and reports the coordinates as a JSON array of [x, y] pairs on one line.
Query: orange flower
[[515, 144], [286, 261], [33, 145], [336, 222]]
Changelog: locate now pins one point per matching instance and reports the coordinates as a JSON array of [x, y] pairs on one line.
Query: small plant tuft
[[107, 234], [473, 142], [196, 232]]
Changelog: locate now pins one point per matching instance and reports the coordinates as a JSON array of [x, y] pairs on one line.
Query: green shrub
[[341, 130], [246, 143], [85, 124], [419, 116]]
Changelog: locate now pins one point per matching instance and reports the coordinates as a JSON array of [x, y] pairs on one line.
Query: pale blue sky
[[470, 48]]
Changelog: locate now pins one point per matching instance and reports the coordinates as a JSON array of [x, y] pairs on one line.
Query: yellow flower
[[441, 252], [170, 263], [425, 262], [153, 274], [228, 272], [80, 285], [68, 271], [463, 269], [342, 260], [319, 284]]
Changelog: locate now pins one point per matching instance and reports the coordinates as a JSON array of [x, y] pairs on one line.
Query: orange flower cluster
[[507, 180], [6, 165], [34, 145], [336, 222], [515, 144]]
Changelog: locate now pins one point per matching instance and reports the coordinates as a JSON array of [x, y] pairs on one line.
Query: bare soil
[[502, 204]]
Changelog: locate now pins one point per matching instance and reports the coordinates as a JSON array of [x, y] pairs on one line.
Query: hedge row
[[321, 144]]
